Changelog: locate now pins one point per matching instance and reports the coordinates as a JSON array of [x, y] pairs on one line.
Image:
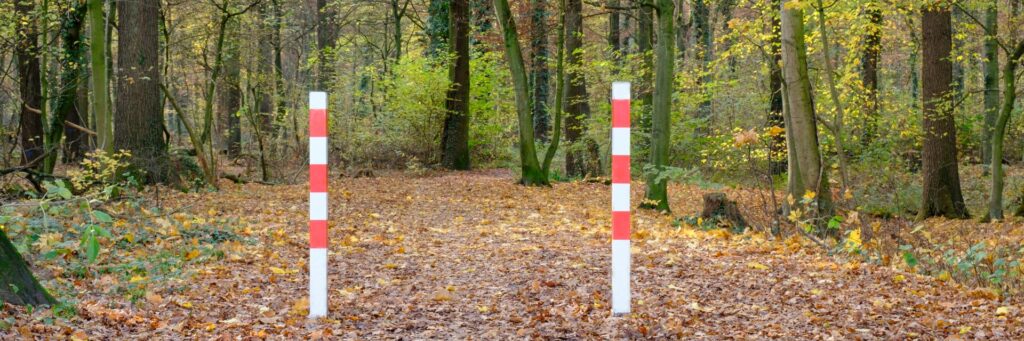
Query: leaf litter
[[472, 255]]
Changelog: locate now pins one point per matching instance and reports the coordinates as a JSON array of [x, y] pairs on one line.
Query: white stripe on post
[[620, 199], [318, 150], [318, 204], [620, 276]]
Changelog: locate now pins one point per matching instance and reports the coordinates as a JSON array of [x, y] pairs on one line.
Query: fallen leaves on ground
[[473, 255]]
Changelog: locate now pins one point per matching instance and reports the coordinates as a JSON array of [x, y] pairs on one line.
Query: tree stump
[[719, 209]]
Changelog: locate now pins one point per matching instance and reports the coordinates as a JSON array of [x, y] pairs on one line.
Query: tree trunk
[[644, 43], [777, 145], [657, 186], [17, 285], [437, 27], [229, 97], [100, 84], [66, 105], [139, 116], [326, 35], [532, 174], [682, 29], [869, 70], [76, 142], [995, 207], [941, 195], [991, 81], [27, 56], [455, 138], [614, 31], [539, 73], [837, 101], [559, 90], [581, 153], [802, 126], [705, 50]]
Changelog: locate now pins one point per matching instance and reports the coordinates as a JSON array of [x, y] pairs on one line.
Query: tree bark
[[644, 44], [777, 145], [326, 35], [66, 108], [869, 70], [614, 31], [941, 195], [657, 185], [17, 285], [581, 154], [802, 126], [229, 97], [30, 89], [995, 207], [455, 138], [100, 83], [991, 80], [705, 50], [539, 73], [139, 115], [532, 174]]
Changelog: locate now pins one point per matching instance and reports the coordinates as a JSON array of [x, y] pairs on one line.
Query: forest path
[[475, 256]]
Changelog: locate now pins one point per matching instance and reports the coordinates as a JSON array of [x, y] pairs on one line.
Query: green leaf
[[92, 249], [102, 216], [910, 259]]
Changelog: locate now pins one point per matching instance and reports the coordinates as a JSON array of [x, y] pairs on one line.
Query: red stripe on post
[[317, 178], [620, 169], [620, 225], [317, 122], [620, 113], [318, 234]]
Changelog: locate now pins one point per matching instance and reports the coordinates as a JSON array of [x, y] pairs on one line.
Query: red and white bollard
[[317, 204], [620, 199]]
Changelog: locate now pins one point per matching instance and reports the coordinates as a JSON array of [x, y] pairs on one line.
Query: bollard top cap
[[620, 90], [318, 100]]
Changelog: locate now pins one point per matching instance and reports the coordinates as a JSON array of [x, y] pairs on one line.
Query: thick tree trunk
[[581, 156], [455, 138], [139, 116], [777, 146], [532, 174], [869, 70], [27, 57], [991, 81], [539, 73], [100, 84], [326, 35], [941, 195], [657, 186], [17, 285], [802, 127]]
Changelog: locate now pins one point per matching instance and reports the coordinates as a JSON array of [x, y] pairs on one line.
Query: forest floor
[[474, 256]]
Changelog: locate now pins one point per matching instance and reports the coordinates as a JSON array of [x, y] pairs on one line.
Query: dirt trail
[[474, 256]]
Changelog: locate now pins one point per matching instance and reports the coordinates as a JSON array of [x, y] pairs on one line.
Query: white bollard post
[[317, 204], [620, 199]]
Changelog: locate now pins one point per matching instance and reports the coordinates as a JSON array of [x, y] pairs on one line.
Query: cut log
[[719, 209]]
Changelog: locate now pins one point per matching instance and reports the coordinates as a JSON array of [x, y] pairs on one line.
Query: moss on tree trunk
[[17, 285]]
